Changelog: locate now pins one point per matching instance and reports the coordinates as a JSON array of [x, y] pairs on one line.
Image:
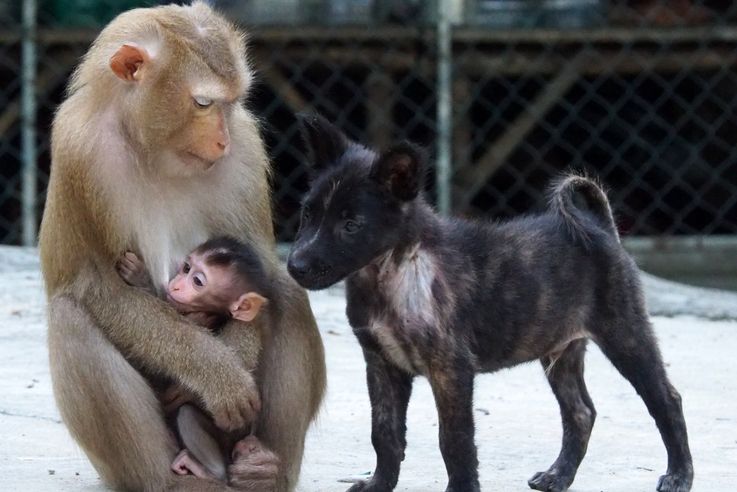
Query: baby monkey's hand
[[133, 271]]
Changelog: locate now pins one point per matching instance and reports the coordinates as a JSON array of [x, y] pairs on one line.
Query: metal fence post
[[444, 123], [28, 123]]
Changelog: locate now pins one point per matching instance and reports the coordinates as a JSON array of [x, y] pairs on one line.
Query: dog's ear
[[324, 142], [401, 169]]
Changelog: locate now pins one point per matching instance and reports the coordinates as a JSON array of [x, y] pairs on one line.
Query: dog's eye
[[351, 226]]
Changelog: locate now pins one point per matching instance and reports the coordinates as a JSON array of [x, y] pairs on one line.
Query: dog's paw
[[358, 486], [549, 482], [675, 482], [465, 486], [369, 486]]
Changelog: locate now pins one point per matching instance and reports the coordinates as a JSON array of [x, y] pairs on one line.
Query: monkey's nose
[[221, 149], [223, 141]]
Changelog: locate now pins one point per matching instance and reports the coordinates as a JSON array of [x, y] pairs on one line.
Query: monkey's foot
[[675, 482], [549, 482]]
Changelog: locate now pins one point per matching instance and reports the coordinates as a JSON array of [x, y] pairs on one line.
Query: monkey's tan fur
[[114, 187]]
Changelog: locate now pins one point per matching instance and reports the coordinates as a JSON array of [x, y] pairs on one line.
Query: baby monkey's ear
[[247, 307], [401, 170]]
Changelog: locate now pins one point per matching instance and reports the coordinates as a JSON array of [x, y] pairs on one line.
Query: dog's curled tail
[[583, 206]]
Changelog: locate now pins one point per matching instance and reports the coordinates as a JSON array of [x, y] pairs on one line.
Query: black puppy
[[447, 298]]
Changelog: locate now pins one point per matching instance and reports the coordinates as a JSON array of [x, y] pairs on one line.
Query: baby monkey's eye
[[202, 102], [185, 267], [198, 280]]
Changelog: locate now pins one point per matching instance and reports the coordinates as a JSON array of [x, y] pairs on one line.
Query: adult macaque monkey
[[153, 152]]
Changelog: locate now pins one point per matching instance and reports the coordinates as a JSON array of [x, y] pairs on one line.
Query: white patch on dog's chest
[[407, 287]]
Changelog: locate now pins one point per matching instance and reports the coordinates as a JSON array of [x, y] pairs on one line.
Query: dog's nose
[[298, 267]]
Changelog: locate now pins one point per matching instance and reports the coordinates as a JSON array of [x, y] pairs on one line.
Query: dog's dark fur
[[447, 298]]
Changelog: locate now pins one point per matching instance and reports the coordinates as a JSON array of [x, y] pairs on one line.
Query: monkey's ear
[[126, 63], [247, 307], [401, 170], [325, 143]]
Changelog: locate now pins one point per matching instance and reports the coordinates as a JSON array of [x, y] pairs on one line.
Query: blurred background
[[505, 93]]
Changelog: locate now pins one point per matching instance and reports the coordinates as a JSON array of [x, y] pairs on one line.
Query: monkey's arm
[[245, 339], [211, 321], [150, 332]]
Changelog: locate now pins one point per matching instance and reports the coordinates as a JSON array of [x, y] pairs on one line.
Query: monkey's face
[[198, 286], [179, 96], [193, 121], [204, 136]]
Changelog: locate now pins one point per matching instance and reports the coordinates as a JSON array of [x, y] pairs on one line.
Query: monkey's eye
[[186, 267], [351, 226], [199, 280], [202, 102]]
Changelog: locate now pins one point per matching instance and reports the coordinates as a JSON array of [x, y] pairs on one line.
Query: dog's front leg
[[389, 391], [452, 386]]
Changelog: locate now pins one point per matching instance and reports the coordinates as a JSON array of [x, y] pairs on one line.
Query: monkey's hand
[[233, 406], [254, 468], [133, 271]]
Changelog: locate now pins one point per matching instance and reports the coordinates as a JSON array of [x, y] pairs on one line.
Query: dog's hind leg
[[633, 351], [565, 375]]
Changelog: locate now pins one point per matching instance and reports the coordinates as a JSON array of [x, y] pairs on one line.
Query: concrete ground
[[517, 421]]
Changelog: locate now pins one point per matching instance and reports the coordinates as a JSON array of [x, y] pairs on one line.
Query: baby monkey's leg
[[254, 466], [199, 437]]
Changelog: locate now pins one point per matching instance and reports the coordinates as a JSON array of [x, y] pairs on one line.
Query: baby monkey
[[221, 279]]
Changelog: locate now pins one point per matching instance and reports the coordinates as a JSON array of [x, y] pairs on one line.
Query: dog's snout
[[309, 272], [298, 267]]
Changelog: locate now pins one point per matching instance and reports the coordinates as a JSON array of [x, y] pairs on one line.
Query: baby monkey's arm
[[133, 271]]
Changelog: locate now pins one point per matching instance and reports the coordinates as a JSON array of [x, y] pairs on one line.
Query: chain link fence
[[640, 93]]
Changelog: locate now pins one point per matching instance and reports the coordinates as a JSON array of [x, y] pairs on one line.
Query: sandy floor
[[518, 426]]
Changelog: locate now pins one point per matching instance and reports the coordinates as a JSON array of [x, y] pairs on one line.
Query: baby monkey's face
[[198, 286]]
